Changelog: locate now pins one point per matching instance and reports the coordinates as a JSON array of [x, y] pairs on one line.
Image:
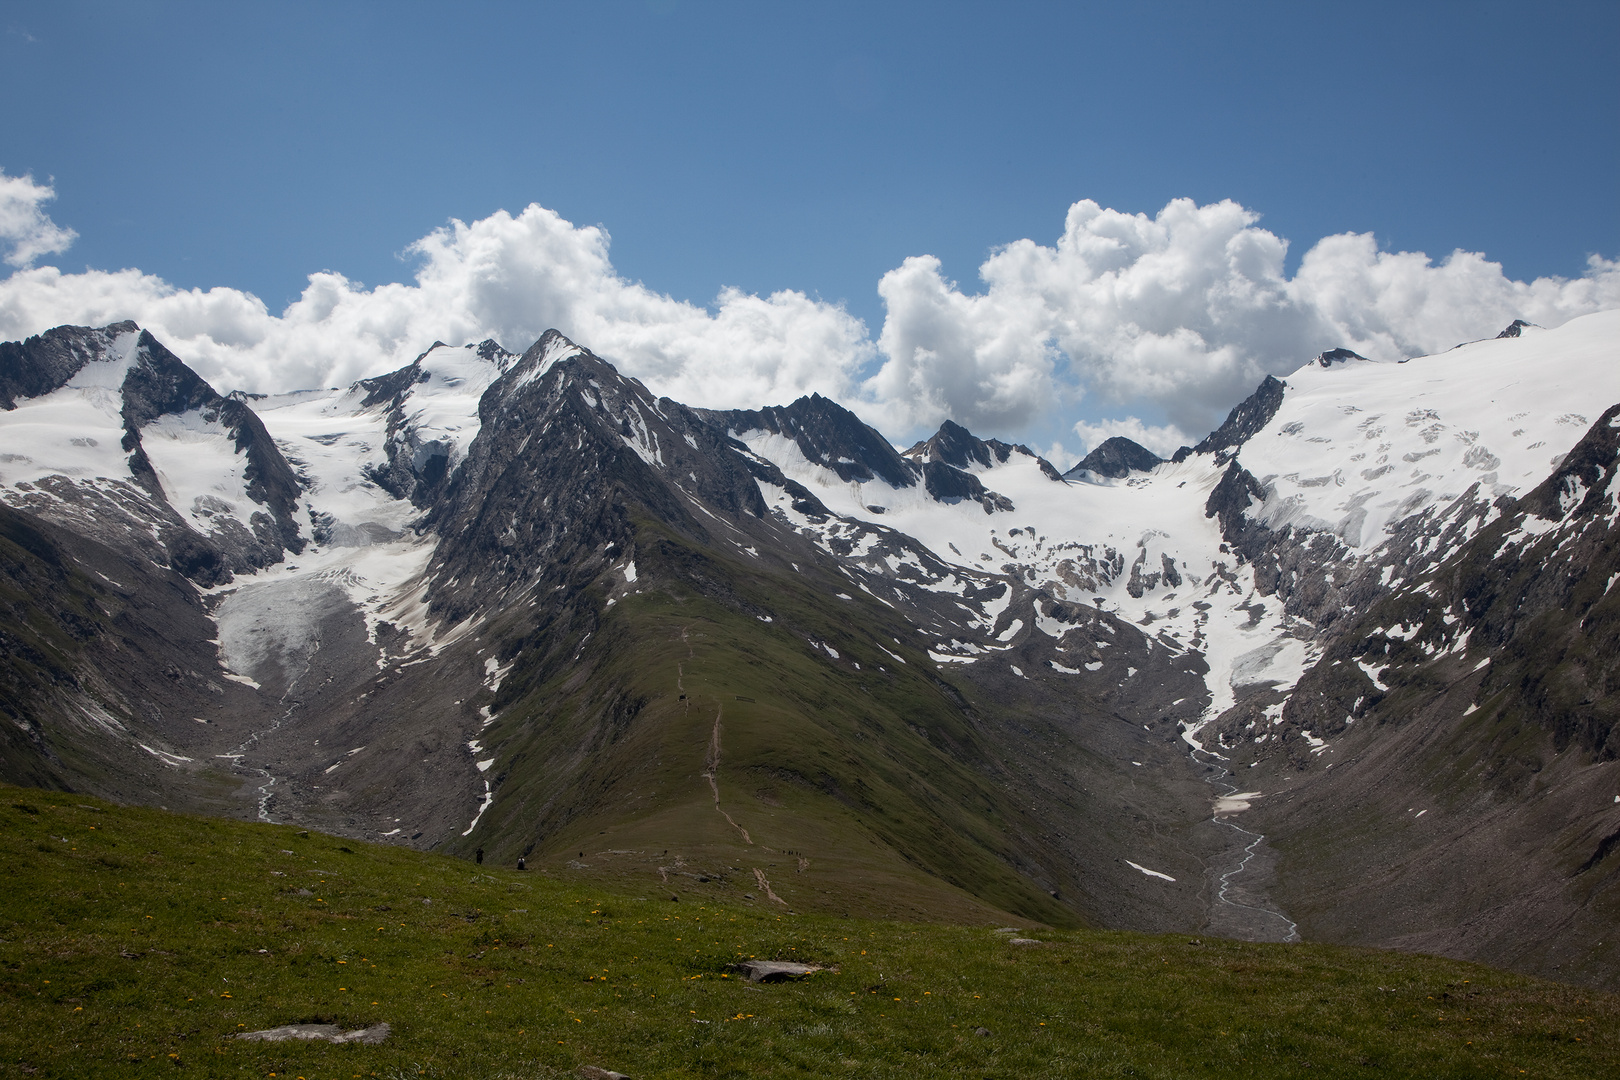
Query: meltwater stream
[[1249, 921]]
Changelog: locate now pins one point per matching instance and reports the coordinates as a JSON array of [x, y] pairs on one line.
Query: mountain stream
[[1238, 878]]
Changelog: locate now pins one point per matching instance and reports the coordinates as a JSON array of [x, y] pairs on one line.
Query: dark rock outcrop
[[567, 455], [1229, 501], [1337, 356], [1241, 424], [46, 362], [948, 484]]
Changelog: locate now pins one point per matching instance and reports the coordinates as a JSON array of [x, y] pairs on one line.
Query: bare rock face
[[1337, 356], [45, 362], [831, 436], [948, 484], [956, 450], [959, 448], [1241, 424], [522, 504], [827, 434]]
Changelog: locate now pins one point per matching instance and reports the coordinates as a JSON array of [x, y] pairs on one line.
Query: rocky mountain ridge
[[520, 603]]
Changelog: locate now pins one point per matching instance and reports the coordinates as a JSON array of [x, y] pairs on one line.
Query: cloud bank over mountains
[[1177, 315]]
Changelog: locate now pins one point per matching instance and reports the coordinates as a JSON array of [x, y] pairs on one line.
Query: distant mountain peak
[[1339, 355], [1115, 458], [827, 434], [48, 361], [215, 496], [956, 446]]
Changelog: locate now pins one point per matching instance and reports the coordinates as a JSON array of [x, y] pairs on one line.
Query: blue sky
[[805, 147]]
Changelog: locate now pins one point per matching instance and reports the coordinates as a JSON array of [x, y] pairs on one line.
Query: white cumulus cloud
[[25, 228], [506, 277], [1183, 312], [1178, 316]]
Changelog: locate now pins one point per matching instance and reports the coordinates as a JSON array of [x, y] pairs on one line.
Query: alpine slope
[[520, 603]]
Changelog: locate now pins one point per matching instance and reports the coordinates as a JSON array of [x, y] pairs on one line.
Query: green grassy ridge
[[605, 746], [130, 944]]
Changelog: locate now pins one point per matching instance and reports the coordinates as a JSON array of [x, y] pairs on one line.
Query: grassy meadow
[[134, 942]]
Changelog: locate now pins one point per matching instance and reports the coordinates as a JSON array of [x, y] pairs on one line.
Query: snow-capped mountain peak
[[107, 431], [1114, 459]]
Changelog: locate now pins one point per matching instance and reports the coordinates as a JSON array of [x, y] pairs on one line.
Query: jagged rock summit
[[1245, 421]]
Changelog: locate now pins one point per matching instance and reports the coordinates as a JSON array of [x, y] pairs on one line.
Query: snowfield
[[1357, 447]]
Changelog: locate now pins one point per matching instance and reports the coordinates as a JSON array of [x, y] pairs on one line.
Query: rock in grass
[[591, 1072], [376, 1033], [775, 970], [1023, 941]]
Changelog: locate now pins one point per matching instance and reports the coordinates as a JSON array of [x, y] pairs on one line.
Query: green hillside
[[687, 723], [136, 942]]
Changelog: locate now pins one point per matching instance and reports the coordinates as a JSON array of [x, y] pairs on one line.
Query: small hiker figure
[[480, 856], [520, 863]]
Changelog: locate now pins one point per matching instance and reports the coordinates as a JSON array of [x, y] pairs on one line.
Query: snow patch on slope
[[75, 430], [199, 468], [1357, 448]]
